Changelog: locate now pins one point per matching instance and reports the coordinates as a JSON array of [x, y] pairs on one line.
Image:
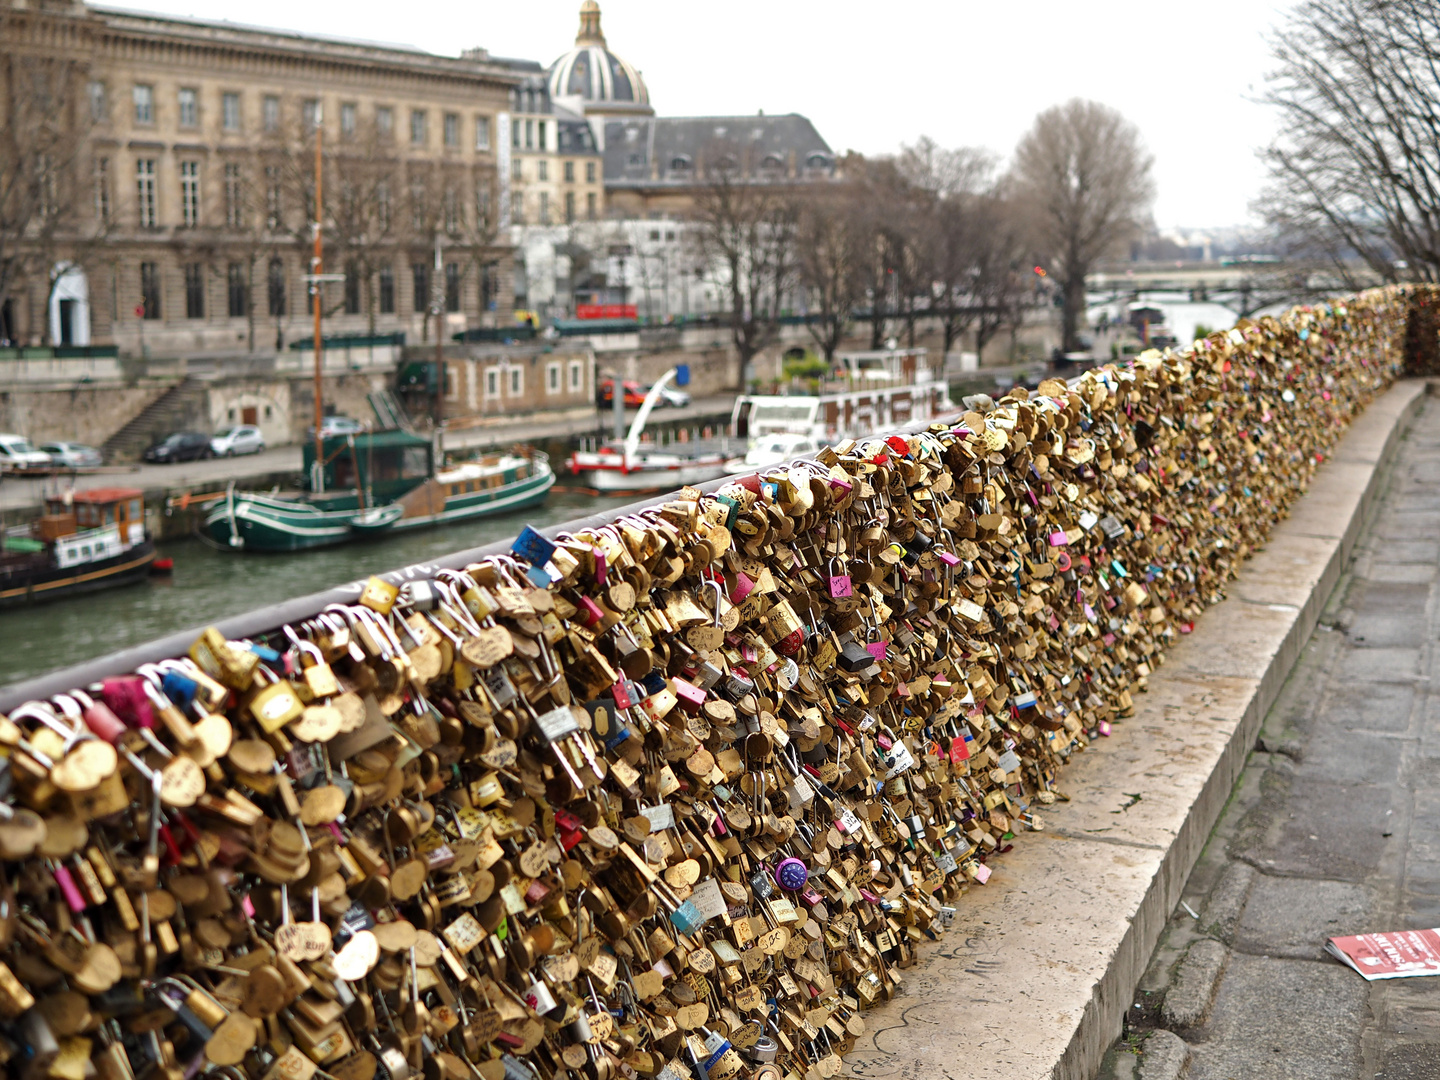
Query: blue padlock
[[532, 547]]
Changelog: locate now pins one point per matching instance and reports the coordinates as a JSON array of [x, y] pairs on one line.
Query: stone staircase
[[174, 410]]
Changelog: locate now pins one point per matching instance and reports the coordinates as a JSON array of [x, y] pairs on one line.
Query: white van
[[18, 455]]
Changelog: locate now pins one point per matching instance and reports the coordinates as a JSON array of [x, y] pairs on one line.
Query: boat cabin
[[384, 464], [88, 526], [864, 393]]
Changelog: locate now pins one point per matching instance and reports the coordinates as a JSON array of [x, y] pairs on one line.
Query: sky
[[874, 76]]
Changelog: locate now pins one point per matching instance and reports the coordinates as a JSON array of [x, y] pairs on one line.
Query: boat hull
[[128, 568], [247, 522], [603, 479]]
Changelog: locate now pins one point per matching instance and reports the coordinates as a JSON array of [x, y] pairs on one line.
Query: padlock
[[838, 583]]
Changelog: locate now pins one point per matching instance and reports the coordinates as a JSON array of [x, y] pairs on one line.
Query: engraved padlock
[[840, 585]]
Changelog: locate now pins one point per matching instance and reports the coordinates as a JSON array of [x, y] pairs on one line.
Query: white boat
[[629, 467], [866, 392], [775, 449]]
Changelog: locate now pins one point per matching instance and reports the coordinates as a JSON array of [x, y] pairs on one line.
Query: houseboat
[[370, 484], [865, 393], [86, 540]]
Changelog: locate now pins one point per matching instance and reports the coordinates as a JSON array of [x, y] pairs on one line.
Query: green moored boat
[[376, 483]]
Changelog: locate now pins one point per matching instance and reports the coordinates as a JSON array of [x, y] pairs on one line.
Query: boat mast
[[317, 267]]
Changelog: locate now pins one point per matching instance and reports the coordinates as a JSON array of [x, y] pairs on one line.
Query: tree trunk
[[1074, 311]]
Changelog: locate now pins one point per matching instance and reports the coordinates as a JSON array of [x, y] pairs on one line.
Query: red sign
[[605, 311]]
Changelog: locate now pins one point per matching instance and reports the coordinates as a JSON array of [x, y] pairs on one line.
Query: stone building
[[188, 150], [556, 172]]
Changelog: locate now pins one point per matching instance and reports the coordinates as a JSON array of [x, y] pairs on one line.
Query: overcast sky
[[872, 76]]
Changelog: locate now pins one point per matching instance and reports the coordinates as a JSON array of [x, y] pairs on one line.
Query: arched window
[[680, 163]]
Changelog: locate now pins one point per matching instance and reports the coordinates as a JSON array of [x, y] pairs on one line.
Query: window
[[489, 286], [482, 204], [417, 127], [589, 172], [387, 290], [542, 170], [352, 289], [516, 170], [237, 290], [552, 378], [492, 383], [420, 275], [654, 234], [452, 287], [276, 282], [189, 107], [482, 133], [150, 290], [234, 197], [271, 113], [569, 207], [310, 113], [515, 134], [540, 135], [144, 104], [274, 207], [102, 190], [590, 206], [569, 172], [99, 102], [517, 381], [544, 208], [190, 193], [576, 375], [452, 130], [145, 191], [382, 206], [384, 121], [230, 111], [347, 120], [194, 291], [417, 207], [452, 211]]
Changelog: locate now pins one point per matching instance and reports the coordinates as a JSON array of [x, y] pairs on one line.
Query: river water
[[209, 585]]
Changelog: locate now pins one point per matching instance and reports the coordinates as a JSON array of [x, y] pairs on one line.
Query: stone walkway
[[1333, 828]]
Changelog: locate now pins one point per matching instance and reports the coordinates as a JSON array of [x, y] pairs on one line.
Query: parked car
[[182, 446], [72, 455], [18, 455], [231, 441], [332, 426], [635, 395]]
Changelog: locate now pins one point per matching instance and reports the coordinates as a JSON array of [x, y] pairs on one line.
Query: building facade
[[190, 170], [556, 171]]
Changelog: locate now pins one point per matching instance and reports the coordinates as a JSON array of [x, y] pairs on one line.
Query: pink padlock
[[877, 649], [687, 695], [590, 613], [99, 717], [742, 588], [840, 586]]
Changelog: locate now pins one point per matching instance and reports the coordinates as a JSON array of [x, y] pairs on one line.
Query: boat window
[[134, 509], [85, 551]]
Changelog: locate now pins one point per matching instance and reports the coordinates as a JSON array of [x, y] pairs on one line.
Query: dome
[[593, 73]]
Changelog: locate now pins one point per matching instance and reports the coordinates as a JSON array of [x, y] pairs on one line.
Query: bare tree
[[1001, 285], [830, 249], [1356, 167], [52, 219], [747, 226], [1086, 175]]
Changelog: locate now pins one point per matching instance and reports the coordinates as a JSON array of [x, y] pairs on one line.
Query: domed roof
[[593, 72]]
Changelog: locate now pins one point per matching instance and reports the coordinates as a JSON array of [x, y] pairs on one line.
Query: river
[[209, 585]]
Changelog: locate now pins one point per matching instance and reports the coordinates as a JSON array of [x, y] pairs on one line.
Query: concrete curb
[[1041, 964]]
